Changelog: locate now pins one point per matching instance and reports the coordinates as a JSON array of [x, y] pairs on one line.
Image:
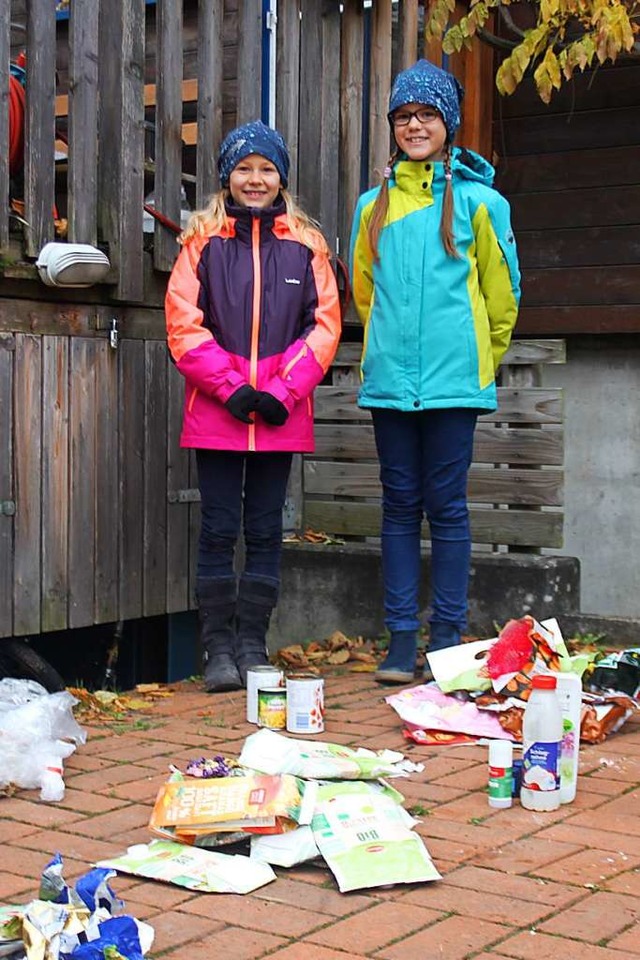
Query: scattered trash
[[286, 849], [273, 753], [426, 708], [37, 732], [618, 673], [260, 677], [367, 840], [305, 703], [256, 803], [77, 923], [206, 871]]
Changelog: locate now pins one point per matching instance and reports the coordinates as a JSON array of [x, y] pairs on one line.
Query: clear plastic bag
[[37, 732]]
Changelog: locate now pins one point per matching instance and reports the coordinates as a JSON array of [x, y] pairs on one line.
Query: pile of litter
[[294, 801], [481, 688], [78, 923]]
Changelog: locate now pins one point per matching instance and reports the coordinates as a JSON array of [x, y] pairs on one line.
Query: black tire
[[18, 659]]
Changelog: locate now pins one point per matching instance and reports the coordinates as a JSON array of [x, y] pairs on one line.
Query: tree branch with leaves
[[568, 35]]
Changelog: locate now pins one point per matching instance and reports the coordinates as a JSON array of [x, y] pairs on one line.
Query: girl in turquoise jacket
[[436, 284]]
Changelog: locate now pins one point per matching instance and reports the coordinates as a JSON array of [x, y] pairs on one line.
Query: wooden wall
[[572, 173], [96, 523]]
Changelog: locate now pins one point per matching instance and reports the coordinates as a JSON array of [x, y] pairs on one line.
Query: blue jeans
[[424, 462], [241, 486]]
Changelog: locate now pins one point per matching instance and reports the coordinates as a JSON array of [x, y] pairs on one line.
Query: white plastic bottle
[[541, 740], [500, 773], [570, 696]]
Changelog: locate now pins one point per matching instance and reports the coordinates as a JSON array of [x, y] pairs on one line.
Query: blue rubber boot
[[399, 665], [441, 636]]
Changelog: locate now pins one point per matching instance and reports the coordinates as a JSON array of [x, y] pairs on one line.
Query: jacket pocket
[[192, 399]]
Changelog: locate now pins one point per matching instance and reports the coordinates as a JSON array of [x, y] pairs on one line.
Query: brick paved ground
[[515, 884]]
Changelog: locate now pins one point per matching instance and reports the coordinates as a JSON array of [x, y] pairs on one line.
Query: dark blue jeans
[[236, 487], [424, 462]]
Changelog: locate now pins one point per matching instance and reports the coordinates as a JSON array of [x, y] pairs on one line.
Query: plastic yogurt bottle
[[541, 744]]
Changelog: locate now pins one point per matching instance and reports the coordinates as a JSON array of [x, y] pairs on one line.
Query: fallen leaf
[[338, 656], [363, 668]]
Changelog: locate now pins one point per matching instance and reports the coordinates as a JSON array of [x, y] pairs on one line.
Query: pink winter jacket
[[251, 304]]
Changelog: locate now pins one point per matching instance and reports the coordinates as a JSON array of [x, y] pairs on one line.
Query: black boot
[[257, 596], [216, 598]]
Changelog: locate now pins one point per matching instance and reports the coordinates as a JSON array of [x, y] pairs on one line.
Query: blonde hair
[[214, 218], [381, 208]]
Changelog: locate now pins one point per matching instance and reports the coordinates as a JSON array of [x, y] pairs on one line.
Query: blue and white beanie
[[428, 84], [254, 137]]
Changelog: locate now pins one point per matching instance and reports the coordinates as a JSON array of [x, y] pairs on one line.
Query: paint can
[[305, 703], [259, 677], [272, 708]]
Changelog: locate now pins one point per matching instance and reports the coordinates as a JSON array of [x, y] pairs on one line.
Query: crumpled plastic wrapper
[[67, 923]]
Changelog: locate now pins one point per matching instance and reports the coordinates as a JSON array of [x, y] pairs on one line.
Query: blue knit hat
[[254, 137], [428, 84]]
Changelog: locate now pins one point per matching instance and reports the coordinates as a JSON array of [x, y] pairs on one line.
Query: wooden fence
[[334, 67]]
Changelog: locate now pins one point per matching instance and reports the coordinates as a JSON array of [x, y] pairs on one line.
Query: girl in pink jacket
[[253, 323]]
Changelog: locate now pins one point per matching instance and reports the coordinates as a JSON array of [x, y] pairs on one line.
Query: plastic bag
[[37, 732]]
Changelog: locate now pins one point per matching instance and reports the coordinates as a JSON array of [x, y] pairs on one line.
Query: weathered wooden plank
[[533, 405], [249, 60], [599, 319], [177, 512], [40, 125], [380, 135], [520, 351], [83, 121], [168, 122], [27, 439], [330, 127], [592, 246], [7, 496], [107, 415], [131, 455], [604, 88], [210, 74], [407, 46], [573, 170], [351, 96], [310, 101], [517, 446], [5, 34], [288, 81], [486, 484], [122, 40], [616, 127], [582, 285], [82, 474], [600, 206], [512, 527], [154, 584], [55, 483], [194, 529]]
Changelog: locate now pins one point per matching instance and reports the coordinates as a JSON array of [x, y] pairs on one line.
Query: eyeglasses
[[404, 117]]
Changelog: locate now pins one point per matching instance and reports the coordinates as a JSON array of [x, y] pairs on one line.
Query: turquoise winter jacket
[[436, 327]]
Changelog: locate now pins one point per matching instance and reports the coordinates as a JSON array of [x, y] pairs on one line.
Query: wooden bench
[[516, 480]]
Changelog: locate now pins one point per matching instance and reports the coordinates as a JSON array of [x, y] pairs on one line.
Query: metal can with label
[[305, 703], [272, 708], [258, 678]]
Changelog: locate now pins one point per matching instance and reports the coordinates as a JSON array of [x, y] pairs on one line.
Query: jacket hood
[[471, 166]]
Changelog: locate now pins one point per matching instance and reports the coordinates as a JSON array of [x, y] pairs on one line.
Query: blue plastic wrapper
[[94, 891], [91, 889], [118, 940]]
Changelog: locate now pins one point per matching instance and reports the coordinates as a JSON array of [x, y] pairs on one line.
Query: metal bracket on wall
[[7, 508], [184, 496]]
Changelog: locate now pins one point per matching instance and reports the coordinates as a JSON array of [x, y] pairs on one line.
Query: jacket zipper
[[302, 352], [255, 318]]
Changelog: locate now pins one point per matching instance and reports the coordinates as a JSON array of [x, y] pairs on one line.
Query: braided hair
[[381, 207]]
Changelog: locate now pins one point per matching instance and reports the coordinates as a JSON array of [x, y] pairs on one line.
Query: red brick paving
[[515, 884]]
